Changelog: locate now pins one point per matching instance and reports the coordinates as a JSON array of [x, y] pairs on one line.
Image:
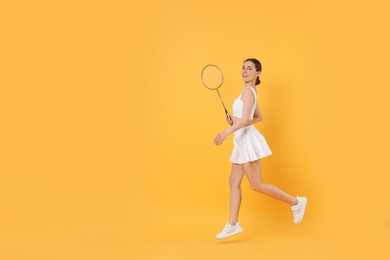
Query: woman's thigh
[[253, 172], [236, 175]]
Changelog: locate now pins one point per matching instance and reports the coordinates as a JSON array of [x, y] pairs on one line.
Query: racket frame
[[201, 76]]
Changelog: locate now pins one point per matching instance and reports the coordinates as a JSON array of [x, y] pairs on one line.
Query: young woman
[[249, 147]]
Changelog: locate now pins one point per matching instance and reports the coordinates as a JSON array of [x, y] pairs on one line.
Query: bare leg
[[236, 176], [253, 172]]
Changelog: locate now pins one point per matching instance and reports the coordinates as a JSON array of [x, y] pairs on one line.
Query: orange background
[[106, 144]]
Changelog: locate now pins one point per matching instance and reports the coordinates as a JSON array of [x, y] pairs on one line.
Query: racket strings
[[212, 77]]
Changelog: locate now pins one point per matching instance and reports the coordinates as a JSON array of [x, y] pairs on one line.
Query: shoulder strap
[[254, 92]]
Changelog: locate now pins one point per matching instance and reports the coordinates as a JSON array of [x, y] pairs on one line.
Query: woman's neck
[[250, 84]]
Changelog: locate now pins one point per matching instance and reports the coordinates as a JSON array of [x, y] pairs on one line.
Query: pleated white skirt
[[249, 145]]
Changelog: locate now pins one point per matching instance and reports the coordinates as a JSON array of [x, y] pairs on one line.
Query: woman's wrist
[[229, 131]]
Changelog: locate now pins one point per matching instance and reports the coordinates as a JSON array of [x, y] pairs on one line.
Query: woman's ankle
[[294, 202], [232, 222]]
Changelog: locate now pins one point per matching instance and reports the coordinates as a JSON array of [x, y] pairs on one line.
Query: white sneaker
[[229, 230], [299, 209]]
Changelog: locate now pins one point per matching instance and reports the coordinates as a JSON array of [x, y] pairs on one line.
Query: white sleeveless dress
[[249, 144]]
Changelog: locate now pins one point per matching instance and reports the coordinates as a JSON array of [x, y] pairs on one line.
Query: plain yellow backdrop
[[106, 141]]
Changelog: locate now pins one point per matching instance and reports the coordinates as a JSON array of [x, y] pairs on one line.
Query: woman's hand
[[218, 140]]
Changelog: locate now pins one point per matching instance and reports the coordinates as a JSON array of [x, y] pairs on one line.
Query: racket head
[[212, 77]]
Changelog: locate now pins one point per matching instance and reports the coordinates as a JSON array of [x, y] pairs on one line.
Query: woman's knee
[[259, 187], [235, 185]]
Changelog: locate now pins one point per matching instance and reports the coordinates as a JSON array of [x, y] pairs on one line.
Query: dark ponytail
[[258, 67], [258, 80]]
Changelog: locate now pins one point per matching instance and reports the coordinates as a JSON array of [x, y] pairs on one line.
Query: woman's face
[[248, 72]]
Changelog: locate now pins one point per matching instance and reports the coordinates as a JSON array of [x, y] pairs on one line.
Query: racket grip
[[229, 118]]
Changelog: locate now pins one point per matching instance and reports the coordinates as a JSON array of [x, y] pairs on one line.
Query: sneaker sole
[[231, 234]]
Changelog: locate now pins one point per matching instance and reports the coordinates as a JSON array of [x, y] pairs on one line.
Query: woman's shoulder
[[248, 94], [253, 89], [246, 91]]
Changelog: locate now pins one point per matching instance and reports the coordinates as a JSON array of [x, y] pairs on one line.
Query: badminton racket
[[212, 79]]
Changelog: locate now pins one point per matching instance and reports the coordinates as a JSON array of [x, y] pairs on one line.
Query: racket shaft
[[221, 100], [227, 113]]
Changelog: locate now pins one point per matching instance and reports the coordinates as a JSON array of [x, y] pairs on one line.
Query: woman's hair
[[258, 67]]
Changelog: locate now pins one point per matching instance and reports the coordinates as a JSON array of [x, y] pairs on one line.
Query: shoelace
[[228, 229]]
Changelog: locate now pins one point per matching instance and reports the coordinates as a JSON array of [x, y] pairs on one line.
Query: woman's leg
[[236, 176], [253, 172]]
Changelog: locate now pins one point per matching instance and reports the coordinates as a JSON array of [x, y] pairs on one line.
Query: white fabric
[[249, 145], [238, 105]]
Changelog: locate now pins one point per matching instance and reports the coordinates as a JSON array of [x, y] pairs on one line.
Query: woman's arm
[[248, 100], [258, 116]]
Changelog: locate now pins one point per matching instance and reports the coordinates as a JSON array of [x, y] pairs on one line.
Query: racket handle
[[229, 118]]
